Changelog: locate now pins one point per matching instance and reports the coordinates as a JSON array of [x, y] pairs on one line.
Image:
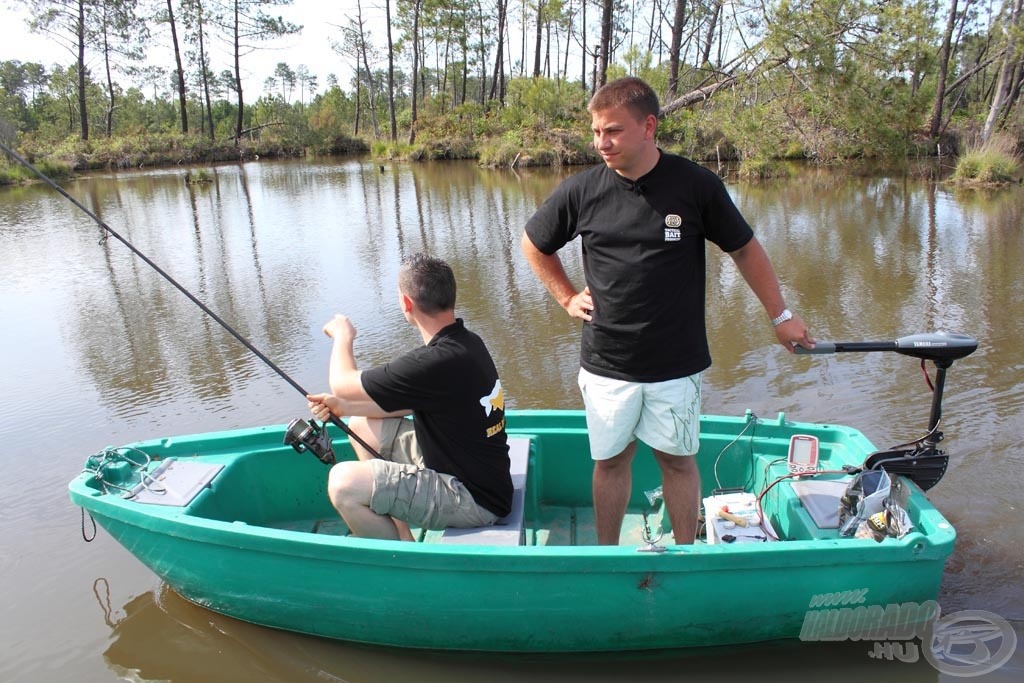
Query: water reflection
[[160, 636], [96, 341]]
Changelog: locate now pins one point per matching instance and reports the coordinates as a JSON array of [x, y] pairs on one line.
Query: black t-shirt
[[644, 261], [453, 390]]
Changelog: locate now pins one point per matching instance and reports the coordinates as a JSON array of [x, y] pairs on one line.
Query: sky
[[311, 47]]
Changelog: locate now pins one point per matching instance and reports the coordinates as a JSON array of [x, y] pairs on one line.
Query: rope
[[104, 601], [86, 538], [98, 464]]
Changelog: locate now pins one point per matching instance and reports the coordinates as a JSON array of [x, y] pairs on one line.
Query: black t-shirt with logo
[[452, 388], [644, 261]]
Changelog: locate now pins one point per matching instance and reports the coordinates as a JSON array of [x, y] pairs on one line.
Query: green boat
[[240, 523]]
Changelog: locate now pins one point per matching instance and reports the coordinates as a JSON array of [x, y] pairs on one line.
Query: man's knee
[[685, 465], [346, 483], [617, 463]]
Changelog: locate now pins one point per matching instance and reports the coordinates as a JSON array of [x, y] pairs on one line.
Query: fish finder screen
[[803, 452]]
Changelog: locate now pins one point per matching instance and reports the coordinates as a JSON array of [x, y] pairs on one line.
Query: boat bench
[[509, 529]]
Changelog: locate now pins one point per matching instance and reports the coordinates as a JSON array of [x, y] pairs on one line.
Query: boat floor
[[554, 526]]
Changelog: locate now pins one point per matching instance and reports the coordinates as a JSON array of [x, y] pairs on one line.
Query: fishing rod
[[300, 435]]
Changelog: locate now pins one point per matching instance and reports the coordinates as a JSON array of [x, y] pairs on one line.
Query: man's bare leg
[[369, 430], [348, 487], [612, 484], [680, 482]]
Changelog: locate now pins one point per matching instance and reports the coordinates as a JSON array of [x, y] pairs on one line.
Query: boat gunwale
[[180, 522]]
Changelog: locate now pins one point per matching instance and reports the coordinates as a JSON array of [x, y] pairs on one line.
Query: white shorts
[[664, 415]]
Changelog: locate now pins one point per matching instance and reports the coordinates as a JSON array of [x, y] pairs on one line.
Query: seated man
[[449, 465]]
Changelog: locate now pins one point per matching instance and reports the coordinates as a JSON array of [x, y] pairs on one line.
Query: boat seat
[[509, 529]]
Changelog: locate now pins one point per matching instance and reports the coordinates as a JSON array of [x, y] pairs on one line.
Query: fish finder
[[803, 454]]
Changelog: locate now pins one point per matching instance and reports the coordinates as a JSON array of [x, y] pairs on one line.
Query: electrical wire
[[927, 377], [769, 487], [766, 489], [752, 421]]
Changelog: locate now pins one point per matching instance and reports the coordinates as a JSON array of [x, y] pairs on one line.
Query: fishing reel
[[309, 436]]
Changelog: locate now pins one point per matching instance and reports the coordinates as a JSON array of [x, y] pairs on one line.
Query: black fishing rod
[[299, 435]]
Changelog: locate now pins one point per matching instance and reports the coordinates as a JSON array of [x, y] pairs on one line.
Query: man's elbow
[[348, 387], [527, 245]]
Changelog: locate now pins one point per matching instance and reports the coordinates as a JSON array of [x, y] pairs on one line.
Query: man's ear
[[406, 302], [651, 125]]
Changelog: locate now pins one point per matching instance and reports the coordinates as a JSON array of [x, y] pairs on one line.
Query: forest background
[[154, 82]]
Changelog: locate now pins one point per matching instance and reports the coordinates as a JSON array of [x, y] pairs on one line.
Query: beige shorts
[[664, 415], [404, 489]]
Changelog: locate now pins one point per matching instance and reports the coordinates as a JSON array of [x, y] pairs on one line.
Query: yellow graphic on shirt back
[[494, 400]]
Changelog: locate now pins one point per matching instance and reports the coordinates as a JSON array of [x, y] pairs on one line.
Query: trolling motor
[[309, 436], [921, 461]]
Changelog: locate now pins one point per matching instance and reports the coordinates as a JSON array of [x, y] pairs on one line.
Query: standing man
[[449, 465], [643, 218]]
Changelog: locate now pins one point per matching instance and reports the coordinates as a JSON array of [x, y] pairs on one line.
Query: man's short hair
[[631, 93], [429, 282]]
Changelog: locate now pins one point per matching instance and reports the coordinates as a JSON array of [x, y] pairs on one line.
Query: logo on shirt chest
[[672, 231]]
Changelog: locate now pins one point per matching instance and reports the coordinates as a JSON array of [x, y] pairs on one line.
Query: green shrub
[[994, 161], [760, 168]]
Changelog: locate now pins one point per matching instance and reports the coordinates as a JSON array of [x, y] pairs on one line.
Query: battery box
[[743, 508]]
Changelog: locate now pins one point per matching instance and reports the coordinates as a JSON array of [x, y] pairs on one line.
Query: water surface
[[97, 349]]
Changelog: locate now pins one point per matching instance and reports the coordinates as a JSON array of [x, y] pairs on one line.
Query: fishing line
[[206, 309]]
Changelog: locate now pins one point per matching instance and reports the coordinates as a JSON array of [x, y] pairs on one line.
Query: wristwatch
[[783, 317]]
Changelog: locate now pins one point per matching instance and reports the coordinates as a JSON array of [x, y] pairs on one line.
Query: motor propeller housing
[[937, 346]]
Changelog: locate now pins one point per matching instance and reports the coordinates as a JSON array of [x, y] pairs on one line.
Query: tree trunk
[[465, 63], [1001, 94], [499, 58], [583, 44], [359, 99], [547, 51], [678, 21], [182, 99], [239, 119], [371, 94], [417, 5], [83, 111], [944, 51], [204, 65], [483, 51], [606, 41], [704, 93], [522, 56], [391, 76], [568, 42], [109, 118], [712, 28], [536, 51]]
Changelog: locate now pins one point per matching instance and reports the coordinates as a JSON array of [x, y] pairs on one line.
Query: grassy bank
[[993, 162], [153, 151]]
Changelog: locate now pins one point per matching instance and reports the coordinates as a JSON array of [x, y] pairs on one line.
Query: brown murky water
[[96, 349]]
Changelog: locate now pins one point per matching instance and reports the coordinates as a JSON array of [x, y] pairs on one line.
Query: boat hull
[[529, 598]]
